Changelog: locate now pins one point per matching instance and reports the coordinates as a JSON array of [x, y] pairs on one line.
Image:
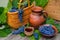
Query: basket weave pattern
[[53, 9], [13, 19]]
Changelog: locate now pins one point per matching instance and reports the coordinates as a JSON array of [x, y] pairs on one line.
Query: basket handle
[[28, 2], [21, 1]]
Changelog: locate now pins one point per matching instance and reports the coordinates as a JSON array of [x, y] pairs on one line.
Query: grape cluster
[[13, 9], [47, 30], [20, 14], [20, 30]]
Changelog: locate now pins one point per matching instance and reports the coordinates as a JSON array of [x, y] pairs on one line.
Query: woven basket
[[13, 19], [53, 9]]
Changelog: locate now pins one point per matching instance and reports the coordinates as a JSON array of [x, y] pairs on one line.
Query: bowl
[[54, 28], [29, 31]]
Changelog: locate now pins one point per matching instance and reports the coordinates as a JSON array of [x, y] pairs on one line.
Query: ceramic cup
[[29, 31]]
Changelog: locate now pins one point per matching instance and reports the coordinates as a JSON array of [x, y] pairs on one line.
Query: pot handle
[[45, 14]]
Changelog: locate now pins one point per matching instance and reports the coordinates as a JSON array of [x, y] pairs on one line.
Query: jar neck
[[37, 12]]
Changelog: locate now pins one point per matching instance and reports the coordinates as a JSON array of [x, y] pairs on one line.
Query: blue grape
[[15, 32], [40, 28], [52, 32], [36, 35], [12, 10], [20, 30], [20, 14], [48, 30], [21, 11]]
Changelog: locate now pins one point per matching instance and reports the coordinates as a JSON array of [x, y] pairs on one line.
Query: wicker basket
[[53, 9], [13, 19]]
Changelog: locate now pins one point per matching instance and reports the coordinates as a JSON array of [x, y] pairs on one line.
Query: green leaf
[[22, 34], [3, 34], [28, 24], [32, 38], [15, 3], [50, 21], [41, 3], [31, 1], [1, 10], [37, 31], [58, 27], [8, 31], [6, 5]]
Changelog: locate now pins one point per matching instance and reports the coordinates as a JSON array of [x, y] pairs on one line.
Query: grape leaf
[[52, 21], [41, 3], [22, 34], [4, 32]]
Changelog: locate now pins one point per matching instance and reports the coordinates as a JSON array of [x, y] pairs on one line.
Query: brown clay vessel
[[37, 17], [29, 31]]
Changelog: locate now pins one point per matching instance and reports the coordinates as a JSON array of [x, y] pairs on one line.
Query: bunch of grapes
[[47, 30], [20, 14], [13, 9]]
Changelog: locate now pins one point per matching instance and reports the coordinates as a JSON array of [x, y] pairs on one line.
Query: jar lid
[[37, 9]]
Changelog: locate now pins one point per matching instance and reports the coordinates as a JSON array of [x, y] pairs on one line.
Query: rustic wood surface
[[18, 37]]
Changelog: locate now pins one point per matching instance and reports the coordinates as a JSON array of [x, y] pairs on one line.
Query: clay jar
[[37, 17]]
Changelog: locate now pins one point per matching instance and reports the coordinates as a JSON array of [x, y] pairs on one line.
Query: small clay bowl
[[55, 32], [29, 31]]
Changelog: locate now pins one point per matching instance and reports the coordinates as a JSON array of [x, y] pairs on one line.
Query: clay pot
[[55, 32], [37, 17], [29, 31]]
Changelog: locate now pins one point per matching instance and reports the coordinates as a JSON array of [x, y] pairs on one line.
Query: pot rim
[[13, 12], [37, 9], [30, 28]]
